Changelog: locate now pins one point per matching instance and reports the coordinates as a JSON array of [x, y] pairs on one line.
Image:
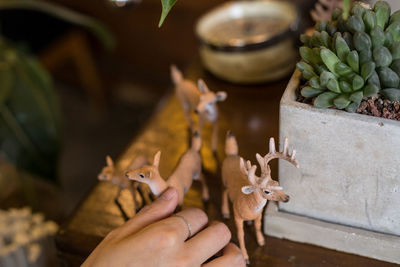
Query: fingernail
[[170, 193]]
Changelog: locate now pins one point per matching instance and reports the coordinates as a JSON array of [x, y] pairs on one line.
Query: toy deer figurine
[[187, 170], [109, 173], [199, 100], [248, 192]]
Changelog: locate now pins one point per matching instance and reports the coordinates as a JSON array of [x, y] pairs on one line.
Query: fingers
[[207, 243], [188, 222], [163, 207], [231, 257]]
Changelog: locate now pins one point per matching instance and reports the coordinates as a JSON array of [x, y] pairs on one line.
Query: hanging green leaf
[[166, 8], [29, 114]]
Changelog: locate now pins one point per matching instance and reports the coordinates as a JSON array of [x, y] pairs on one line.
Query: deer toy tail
[[231, 146], [196, 141], [176, 75]]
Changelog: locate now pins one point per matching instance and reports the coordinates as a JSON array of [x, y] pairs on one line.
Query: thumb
[[160, 209]]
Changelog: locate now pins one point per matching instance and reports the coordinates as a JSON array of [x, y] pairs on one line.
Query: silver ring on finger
[[187, 224]]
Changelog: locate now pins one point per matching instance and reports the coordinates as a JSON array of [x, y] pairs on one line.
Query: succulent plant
[[346, 60]]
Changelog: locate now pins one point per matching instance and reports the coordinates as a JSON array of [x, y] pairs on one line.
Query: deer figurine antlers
[[200, 100], [249, 192]]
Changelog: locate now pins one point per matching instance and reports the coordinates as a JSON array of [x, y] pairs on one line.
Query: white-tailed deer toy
[[111, 174], [200, 100], [187, 170], [248, 192]]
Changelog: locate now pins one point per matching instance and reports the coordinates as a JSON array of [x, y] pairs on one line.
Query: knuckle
[[168, 237], [223, 230], [199, 214]]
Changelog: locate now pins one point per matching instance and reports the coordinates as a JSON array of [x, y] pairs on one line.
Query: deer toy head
[[266, 188], [146, 173], [108, 171], [269, 188], [149, 175], [207, 101]]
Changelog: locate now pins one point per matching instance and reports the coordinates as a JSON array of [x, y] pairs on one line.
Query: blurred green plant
[[346, 60], [166, 8], [30, 121]]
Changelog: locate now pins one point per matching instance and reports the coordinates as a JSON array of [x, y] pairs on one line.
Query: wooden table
[[251, 112]]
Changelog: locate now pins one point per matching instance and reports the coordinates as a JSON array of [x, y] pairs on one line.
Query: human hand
[[153, 238]]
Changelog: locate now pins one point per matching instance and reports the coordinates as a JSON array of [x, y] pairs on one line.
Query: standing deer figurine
[[199, 100], [110, 173], [248, 192], [187, 170]]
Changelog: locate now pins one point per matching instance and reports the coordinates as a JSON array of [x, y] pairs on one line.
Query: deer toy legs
[[240, 236], [225, 205], [205, 194], [257, 228]]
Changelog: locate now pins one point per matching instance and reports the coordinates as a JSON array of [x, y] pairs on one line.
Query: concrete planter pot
[[349, 175]]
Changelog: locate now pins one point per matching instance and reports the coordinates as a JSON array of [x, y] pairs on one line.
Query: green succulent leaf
[[325, 39], [362, 41], [374, 79], [310, 92], [348, 37], [325, 77], [308, 74], [358, 82], [166, 8], [395, 50], [342, 101], [382, 11], [316, 39], [395, 16], [345, 87], [314, 82], [394, 29], [325, 100], [305, 39], [369, 19], [355, 24], [352, 107], [396, 66], [342, 49], [367, 69], [330, 59], [370, 90], [377, 36], [304, 66], [388, 39], [353, 60], [331, 28], [321, 25], [388, 78], [307, 54], [365, 56], [342, 69], [321, 68], [333, 85], [393, 94], [382, 56], [357, 96], [358, 10], [336, 13]]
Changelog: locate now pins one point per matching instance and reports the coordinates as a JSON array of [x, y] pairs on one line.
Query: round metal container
[[249, 41]]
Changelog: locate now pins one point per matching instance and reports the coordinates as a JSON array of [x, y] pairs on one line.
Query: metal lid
[[247, 25]]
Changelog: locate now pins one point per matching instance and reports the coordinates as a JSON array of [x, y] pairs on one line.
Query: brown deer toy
[[200, 100], [111, 174], [248, 192], [187, 170]]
